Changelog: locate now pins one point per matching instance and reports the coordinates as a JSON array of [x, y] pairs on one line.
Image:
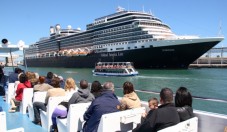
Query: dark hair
[[128, 87], [96, 86], [17, 70], [83, 84], [23, 78], [183, 97], [55, 82], [166, 95], [41, 79], [50, 75]]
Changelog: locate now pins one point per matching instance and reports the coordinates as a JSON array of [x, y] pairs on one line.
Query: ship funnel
[[58, 29], [52, 30], [4, 41]]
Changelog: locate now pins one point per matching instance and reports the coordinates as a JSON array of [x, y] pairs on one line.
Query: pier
[[214, 58]]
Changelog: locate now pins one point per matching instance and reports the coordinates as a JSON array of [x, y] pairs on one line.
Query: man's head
[[166, 96], [108, 86], [83, 84]]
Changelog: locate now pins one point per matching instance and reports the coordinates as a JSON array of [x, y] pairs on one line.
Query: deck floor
[[16, 120]]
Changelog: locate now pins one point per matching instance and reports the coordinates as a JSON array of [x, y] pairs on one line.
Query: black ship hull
[[165, 57]]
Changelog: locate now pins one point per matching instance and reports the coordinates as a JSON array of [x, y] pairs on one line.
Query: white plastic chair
[[121, 121], [10, 92], [74, 121], [190, 125], [46, 116], [27, 99], [37, 97], [3, 127]]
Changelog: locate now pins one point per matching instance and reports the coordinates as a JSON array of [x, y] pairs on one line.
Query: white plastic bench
[[3, 127], [46, 116], [10, 92], [27, 99], [74, 121], [190, 125], [121, 121], [37, 97]]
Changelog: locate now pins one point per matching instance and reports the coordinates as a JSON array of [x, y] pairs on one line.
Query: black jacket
[[185, 113], [166, 115]]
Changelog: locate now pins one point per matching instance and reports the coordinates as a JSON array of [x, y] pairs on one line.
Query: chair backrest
[[121, 121], [10, 92], [27, 99], [3, 121], [190, 125], [52, 104], [75, 116], [39, 96]]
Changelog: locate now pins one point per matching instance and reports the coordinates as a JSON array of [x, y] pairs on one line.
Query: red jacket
[[20, 89]]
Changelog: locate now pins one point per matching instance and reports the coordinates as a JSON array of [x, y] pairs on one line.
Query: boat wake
[[155, 77], [70, 72]]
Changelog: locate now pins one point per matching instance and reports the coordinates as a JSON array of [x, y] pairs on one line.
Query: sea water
[[205, 83]]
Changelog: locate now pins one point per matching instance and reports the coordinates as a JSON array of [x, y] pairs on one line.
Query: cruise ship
[[124, 36]]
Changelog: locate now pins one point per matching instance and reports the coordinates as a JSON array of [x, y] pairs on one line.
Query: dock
[[214, 58]]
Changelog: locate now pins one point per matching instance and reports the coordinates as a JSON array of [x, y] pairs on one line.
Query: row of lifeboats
[[72, 52]]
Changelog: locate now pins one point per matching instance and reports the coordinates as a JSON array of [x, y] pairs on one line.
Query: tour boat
[[115, 69]]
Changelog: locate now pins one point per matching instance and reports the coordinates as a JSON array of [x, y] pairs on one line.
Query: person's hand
[[144, 115]]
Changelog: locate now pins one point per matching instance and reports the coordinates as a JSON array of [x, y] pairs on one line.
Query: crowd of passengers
[[163, 113]]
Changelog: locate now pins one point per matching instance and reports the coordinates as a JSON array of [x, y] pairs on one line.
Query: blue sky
[[29, 20]]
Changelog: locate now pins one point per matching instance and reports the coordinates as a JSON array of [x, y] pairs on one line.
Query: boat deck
[[16, 120]]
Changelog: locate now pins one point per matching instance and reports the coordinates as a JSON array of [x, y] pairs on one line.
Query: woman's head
[[96, 86], [183, 97], [41, 79], [55, 82], [128, 87], [70, 84]]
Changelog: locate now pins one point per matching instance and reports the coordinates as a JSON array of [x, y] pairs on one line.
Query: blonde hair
[[70, 84]]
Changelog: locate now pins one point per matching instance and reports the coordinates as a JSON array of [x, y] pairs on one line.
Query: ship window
[[151, 46], [111, 49], [135, 47], [142, 46], [128, 47]]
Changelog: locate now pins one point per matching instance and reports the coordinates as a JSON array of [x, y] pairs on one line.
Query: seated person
[[183, 102], [54, 92], [96, 88], [106, 103], [42, 86], [62, 109], [23, 83], [14, 76], [166, 115], [152, 104], [130, 99]]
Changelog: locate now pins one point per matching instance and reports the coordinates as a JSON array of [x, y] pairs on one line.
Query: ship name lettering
[[168, 50]]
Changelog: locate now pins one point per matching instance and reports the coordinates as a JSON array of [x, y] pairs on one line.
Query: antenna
[[143, 8], [220, 31]]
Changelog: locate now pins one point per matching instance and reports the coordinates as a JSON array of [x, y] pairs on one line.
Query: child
[[152, 104]]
